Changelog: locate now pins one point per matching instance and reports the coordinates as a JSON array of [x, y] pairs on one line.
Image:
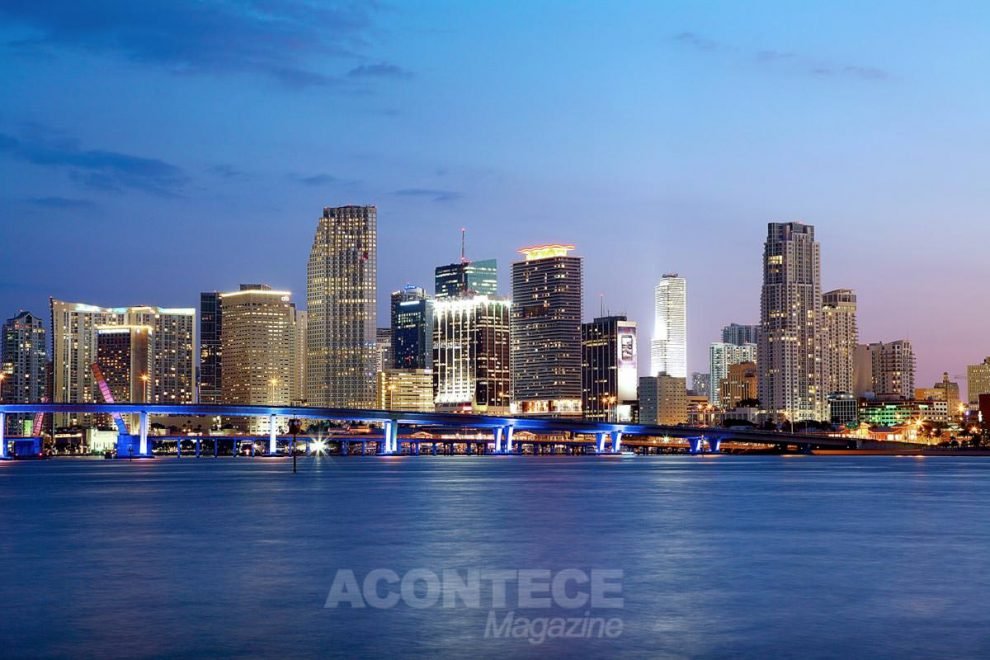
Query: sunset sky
[[152, 150]]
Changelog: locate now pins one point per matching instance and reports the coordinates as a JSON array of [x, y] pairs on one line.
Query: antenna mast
[[463, 257]]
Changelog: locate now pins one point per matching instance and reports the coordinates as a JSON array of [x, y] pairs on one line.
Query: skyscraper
[[669, 348], [546, 331], [608, 369], [739, 334], [341, 282], [210, 347], [384, 358], [467, 277], [471, 355], [75, 331], [123, 353], [412, 329], [839, 339], [663, 400], [259, 346], [789, 356], [23, 362], [721, 356]]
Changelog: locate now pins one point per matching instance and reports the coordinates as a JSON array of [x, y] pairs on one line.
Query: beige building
[[340, 294], [663, 400], [404, 389], [259, 342], [740, 384], [977, 381], [839, 338]]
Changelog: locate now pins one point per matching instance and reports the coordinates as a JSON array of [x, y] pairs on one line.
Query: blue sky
[[151, 150]]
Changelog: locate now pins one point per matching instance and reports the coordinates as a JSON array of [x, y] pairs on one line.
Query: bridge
[[591, 436]]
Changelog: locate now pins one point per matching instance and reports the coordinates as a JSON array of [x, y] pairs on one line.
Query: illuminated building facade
[[663, 400], [789, 355], [741, 383], [467, 278], [721, 356], [412, 329], [124, 356], [341, 280], [608, 369], [471, 369], [701, 384], [546, 331], [977, 381], [75, 328], [668, 351], [23, 363], [404, 389], [891, 369], [383, 349], [839, 337]]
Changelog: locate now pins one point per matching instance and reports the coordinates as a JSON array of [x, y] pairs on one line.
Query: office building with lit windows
[[467, 278], [471, 369], [341, 285], [839, 337], [721, 356], [75, 332], [409, 390], [546, 331], [608, 369], [412, 329]]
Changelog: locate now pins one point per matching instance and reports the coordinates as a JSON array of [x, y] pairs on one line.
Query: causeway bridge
[[540, 432]]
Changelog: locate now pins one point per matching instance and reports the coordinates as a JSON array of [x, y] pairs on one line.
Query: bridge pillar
[[695, 444], [498, 439], [600, 442], [616, 442], [508, 440], [178, 448], [3, 436], [390, 433], [714, 445], [272, 436], [199, 447], [143, 430]]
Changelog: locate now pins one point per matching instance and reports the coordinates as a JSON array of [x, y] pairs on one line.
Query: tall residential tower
[[789, 355]]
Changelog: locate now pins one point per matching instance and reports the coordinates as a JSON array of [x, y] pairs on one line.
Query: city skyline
[[157, 144]]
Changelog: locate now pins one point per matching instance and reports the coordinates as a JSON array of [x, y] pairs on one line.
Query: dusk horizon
[[202, 167]]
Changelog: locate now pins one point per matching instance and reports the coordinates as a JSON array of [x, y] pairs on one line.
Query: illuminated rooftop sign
[[545, 251]]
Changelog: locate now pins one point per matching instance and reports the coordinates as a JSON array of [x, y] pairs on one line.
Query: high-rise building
[[123, 353], [739, 334], [75, 328], [340, 292], [789, 356], [944, 390], [977, 381], [741, 383], [839, 337], [701, 384], [259, 349], [404, 389], [471, 362], [721, 356], [609, 369], [210, 347], [668, 351], [383, 349], [663, 400], [546, 331], [467, 278], [412, 329], [23, 363], [891, 369]]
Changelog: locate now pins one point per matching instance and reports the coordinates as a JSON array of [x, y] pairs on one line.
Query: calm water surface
[[721, 556]]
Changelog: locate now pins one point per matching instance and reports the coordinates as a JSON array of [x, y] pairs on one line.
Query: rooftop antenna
[[463, 257], [601, 304]]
